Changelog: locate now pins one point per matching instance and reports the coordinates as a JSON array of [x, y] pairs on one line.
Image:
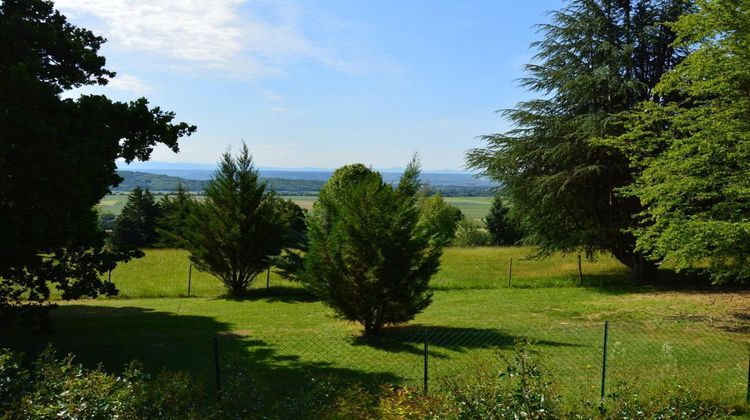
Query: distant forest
[[166, 183]]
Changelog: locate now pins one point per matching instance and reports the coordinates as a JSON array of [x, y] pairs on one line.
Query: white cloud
[[254, 39], [277, 109], [129, 83]]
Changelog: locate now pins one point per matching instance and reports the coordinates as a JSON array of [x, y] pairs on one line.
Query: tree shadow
[[411, 339], [285, 294], [112, 337], [686, 281]]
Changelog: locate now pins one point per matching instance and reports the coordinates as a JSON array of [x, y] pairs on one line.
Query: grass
[[284, 335], [473, 207]]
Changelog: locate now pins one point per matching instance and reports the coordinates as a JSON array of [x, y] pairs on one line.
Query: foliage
[[673, 403], [238, 228], [596, 59], [502, 229], [58, 155], [370, 258], [470, 233], [291, 263], [523, 390], [60, 388], [692, 152], [107, 221], [435, 215], [135, 227], [176, 211]]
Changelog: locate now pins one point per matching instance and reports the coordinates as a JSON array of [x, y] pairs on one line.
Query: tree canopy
[[57, 156], [691, 152], [596, 58]]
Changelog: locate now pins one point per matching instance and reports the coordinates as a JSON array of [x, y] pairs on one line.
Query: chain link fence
[[586, 361]]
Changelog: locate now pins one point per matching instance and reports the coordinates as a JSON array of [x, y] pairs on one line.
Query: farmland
[[285, 335], [472, 207]]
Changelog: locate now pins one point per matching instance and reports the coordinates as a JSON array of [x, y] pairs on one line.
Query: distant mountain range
[[288, 182]]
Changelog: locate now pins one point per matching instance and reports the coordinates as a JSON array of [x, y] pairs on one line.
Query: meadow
[[473, 207], [658, 336]]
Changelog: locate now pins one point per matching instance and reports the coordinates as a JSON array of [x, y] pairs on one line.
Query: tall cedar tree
[[237, 230], [596, 59], [57, 156], [370, 259], [691, 151], [176, 210], [135, 227]]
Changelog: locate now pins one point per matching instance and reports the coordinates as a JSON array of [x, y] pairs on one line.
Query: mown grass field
[[473, 207], [657, 336]]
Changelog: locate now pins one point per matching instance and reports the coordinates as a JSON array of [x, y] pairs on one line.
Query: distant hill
[[310, 185]]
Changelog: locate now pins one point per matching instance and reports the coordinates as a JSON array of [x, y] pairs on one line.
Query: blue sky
[[320, 83]]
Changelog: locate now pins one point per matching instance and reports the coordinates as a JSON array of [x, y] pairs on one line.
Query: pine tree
[[176, 210], [597, 58], [370, 259], [135, 227], [499, 225], [238, 229]]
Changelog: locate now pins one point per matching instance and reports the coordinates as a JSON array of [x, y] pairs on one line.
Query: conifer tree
[[135, 227], [596, 59], [238, 229], [176, 210], [370, 259]]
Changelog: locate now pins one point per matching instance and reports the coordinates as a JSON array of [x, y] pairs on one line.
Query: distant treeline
[[166, 183]]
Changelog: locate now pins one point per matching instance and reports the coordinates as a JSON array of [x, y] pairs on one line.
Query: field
[[472, 207], [283, 335]]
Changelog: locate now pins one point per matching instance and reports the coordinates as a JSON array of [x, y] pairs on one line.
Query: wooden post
[[604, 358], [580, 271], [510, 272], [268, 278], [190, 278]]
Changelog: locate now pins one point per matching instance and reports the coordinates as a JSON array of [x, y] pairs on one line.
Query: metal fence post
[[604, 358], [747, 398], [425, 363], [190, 278], [109, 277], [268, 278], [216, 367]]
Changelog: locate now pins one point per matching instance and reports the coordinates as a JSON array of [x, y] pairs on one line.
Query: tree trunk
[[643, 270]]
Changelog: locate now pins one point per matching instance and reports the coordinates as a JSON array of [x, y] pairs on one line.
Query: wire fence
[[586, 361]]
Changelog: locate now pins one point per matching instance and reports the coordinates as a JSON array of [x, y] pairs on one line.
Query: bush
[[471, 234], [59, 388]]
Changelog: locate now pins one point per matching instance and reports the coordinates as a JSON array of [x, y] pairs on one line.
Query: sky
[[320, 84]]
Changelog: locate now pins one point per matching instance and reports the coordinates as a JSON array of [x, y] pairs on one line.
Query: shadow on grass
[[114, 336], [285, 294], [668, 280], [411, 339]]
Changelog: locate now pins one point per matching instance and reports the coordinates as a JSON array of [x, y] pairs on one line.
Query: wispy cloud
[[130, 83], [242, 38]]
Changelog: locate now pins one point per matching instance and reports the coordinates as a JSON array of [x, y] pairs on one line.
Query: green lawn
[[283, 335]]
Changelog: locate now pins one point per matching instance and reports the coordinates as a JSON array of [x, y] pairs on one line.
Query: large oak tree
[[57, 156]]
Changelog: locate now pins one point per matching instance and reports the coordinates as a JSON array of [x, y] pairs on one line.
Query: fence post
[[510, 272], [604, 358], [268, 278], [580, 271], [425, 363], [190, 277], [747, 398], [109, 277], [217, 368]]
